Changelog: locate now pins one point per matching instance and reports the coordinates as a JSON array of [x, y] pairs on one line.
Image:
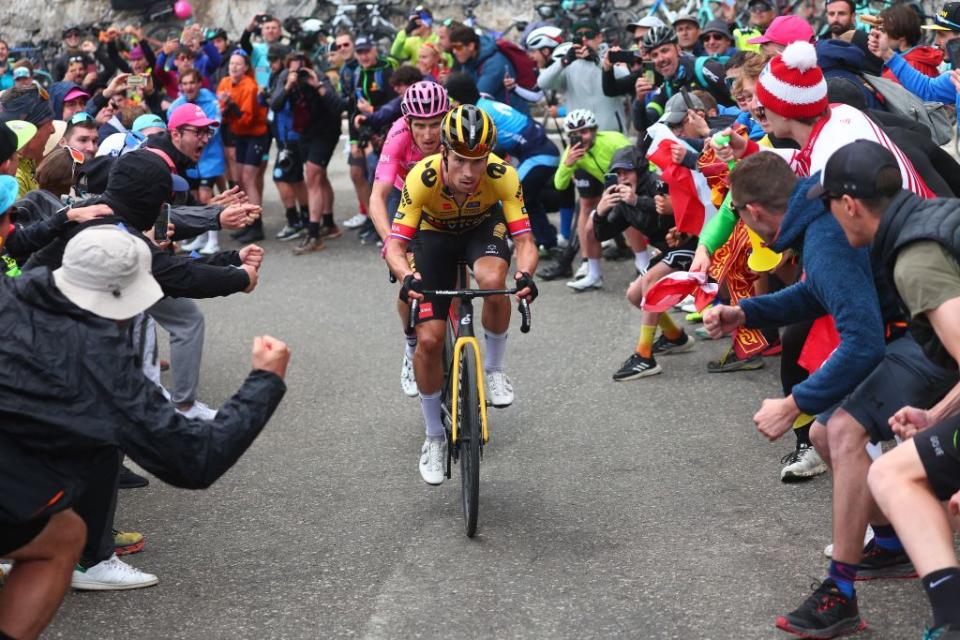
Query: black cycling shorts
[[14, 536], [318, 150], [939, 449], [253, 150], [587, 185], [437, 256], [294, 172], [679, 258], [227, 137]]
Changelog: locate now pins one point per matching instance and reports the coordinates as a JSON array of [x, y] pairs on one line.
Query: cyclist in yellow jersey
[[458, 205]]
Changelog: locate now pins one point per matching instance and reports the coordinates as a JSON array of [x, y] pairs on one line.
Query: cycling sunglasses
[[759, 7], [80, 116], [708, 37], [73, 59], [589, 34], [78, 159]]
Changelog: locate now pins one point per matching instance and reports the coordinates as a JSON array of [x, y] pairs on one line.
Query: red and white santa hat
[[792, 85]]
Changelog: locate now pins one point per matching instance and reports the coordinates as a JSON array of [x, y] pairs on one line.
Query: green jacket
[[596, 161]]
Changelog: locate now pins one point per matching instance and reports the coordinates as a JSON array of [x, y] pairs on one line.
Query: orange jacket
[[245, 115]]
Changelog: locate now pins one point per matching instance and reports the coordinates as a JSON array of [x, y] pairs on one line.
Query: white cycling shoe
[[408, 380], [433, 453], [499, 389]]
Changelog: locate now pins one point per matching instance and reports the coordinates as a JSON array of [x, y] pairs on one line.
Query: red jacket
[[924, 59]]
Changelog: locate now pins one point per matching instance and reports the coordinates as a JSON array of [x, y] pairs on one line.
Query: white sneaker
[[562, 240], [5, 568], [212, 244], [586, 283], [582, 270], [499, 389], [828, 550], [433, 454], [111, 575], [802, 464], [199, 410], [408, 380], [355, 221], [194, 245], [686, 301]]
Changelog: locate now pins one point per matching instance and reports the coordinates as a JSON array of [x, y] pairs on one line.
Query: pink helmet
[[424, 99]]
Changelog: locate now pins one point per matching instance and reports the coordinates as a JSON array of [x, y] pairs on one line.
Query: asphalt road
[[646, 509]]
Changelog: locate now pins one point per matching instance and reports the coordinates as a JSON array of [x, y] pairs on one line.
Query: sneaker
[[408, 380], [694, 317], [879, 563], [827, 613], [200, 411], [131, 480], [5, 568], [687, 305], [636, 366], [127, 542], [951, 632], [867, 537], [582, 270], [331, 232], [354, 222], [555, 271], [111, 575], [249, 235], [586, 284], [772, 350], [803, 463], [432, 455], [701, 334], [308, 245], [499, 389], [211, 246], [195, 244], [290, 232], [666, 346], [729, 362]]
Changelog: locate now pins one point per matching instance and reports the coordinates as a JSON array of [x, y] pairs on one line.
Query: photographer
[[579, 76], [271, 31], [637, 202], [316, 109], [419, 30]]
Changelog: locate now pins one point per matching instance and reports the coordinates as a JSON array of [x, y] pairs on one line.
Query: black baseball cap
[[852, 170], [364, 43], [625, 158], [947, 19], [278, 52]]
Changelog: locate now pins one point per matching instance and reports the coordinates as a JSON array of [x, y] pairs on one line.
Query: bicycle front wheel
[[469, 436]]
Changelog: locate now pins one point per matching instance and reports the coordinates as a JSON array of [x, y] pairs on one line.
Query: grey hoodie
[[582, 84]]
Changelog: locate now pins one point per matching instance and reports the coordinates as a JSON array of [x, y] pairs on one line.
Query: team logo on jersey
[[473, 205], [500, 231], [496, 170], [405, 196], [447, 206], [429, 177]]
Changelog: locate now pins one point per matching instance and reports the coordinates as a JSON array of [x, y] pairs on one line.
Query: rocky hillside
[[47, 17]]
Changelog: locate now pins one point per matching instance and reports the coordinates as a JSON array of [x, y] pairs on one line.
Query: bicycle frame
[[466, 339]]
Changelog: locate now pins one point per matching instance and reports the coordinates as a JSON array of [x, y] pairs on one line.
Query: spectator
[[78, 422], [67, 98], [22, 73], [901, 26], [762, 13], [781, 32], [220, 40], [6, 67], [418, 31], [211, 164], [430, 62], [71, 40], [946, 24], [640, 28], [271, 31], [717, 40], [841, 17], [840, 59], [480, 57], [343, 43], [82, 134], [575, 75], [688, 35], [247, 120], [541, 43], [33, 107], [123, 141]]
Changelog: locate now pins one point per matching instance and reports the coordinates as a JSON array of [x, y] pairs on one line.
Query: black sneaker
[[879, 563], [291, 232], [950, 632], [636, 366], [729, 362], [556, 271], [681, 345], [252, 233], [826, 614], [131, 480]]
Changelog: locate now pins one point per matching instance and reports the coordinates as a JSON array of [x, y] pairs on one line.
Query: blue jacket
[[938, 89], [840, 282], [839, 59], [488, 69], [383, 118], [211, 163]]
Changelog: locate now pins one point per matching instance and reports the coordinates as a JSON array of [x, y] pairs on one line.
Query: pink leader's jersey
[[398, 155]]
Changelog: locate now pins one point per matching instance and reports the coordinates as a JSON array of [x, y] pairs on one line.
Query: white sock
[[411, 345], [430, 405], [642, 259], [496, 344], [593, 268]]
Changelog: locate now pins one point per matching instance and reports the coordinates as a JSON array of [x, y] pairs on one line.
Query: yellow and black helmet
[[468, 131]]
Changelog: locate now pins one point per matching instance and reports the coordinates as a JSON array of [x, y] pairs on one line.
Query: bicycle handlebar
[[523, 307]]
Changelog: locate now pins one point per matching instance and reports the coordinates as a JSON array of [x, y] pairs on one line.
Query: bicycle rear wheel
[[469, 436]]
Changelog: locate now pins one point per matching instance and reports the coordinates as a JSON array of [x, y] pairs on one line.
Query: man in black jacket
[[918, 241], [65, 411]]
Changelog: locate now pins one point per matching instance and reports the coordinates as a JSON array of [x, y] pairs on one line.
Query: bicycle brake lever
[[412, 316], [524, 308]]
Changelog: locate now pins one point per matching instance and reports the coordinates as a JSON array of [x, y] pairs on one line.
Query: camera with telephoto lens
[[285, 160], [363, 136]]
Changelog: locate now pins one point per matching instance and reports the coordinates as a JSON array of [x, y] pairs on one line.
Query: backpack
[[937, 117], [524, 67]]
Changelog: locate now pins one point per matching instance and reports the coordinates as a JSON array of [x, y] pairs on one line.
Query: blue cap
[[21, 72], [179, 184], [8, 192], [148, 120]]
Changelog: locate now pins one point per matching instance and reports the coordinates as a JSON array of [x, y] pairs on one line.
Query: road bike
[[464, 406]]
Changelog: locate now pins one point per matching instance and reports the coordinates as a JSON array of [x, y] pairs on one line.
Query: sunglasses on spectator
[[589, 34], [457, 46], [714, 36], [205, 132], [80, 116], [77, 157], [737, 208], [343, 45], [760, 8]]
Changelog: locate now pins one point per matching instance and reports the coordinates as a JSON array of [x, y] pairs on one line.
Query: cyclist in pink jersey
[[412, 137]]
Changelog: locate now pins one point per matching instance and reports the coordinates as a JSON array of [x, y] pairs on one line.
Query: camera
[[363, 136], [285, 160], [570, 55], [303, 75], [662, 188], [263, 17]]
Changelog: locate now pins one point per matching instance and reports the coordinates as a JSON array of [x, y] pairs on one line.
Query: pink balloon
[[182, 9]]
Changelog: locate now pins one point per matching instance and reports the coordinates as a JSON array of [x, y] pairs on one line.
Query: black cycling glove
[[410, 284], [526, 280]]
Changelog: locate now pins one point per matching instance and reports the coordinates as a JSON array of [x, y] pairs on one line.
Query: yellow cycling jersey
[[426, 203]]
